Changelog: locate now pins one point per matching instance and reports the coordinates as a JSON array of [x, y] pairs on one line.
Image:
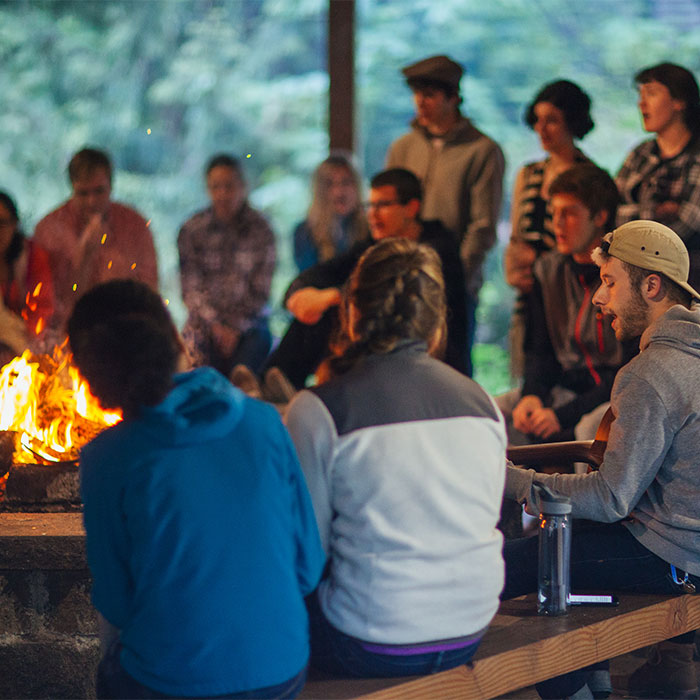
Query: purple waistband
[[413, 649]]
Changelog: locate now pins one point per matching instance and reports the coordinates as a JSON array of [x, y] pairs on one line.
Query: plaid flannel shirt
[[646, 180], [226, 269]]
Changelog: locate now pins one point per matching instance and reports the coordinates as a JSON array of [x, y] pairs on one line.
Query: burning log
[[47, 414], [46, 402], [42, 488], [7, 449]]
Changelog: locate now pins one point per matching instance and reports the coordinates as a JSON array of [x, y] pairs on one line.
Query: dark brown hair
[[125, 344], [571, 100], [86, 161], [397, 293], [682, 85], [592, 186]]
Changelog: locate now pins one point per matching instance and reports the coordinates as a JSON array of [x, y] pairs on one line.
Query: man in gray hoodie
[[647, 489]]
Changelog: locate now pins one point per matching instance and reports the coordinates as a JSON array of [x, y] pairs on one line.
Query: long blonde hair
[[320, 214]]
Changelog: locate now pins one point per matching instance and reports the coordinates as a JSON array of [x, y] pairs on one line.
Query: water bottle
[[554, 552]]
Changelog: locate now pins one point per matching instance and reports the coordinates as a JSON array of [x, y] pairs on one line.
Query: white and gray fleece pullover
[[405, 462]]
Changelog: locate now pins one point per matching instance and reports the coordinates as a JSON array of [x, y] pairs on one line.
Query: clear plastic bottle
[[554, 552]]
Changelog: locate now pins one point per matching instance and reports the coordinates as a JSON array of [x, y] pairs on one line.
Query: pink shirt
[[127, 251]]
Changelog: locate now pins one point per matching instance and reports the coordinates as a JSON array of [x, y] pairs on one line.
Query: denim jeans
[[342, 655], [113, 682], [604, 557]]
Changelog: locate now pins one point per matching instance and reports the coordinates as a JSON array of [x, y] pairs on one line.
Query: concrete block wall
[[49, 646]]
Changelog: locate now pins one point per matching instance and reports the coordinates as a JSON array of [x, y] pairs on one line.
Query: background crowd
[[384, 289]]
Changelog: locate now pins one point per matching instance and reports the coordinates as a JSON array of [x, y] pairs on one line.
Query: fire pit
[[48, 628], [47, 413]]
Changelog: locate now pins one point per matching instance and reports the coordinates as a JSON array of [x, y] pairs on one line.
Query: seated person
[[404, 458], [314, 296], [201, 537], [92, 239], [26, 305], [335, 219], [644, 498], [227, 258], [660, 178], [571, 353]]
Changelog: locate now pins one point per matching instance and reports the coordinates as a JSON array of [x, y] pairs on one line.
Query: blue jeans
[[337, 653], [113, 682], [604, 557]]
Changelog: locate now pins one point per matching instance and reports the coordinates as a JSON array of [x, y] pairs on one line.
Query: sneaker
[[246, 381], [600, 684], [277, 388], [669, 672], [583, 693]]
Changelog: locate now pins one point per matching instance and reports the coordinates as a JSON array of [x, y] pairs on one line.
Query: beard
[[632, 319]]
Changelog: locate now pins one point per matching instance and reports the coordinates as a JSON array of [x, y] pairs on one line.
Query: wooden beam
[[341, 71]]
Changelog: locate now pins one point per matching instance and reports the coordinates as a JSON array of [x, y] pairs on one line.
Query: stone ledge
[[43, 541]]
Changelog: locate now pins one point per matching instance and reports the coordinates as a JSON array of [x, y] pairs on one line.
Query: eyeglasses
[[380, 204]]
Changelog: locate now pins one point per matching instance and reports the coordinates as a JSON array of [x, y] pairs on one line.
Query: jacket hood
[[203, 405], [462, 132], [679, 327]]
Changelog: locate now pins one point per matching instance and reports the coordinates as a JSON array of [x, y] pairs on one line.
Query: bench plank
[[522, 648]]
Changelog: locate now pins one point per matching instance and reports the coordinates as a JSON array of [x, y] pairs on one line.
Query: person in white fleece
[[645, 495], [405, 459]]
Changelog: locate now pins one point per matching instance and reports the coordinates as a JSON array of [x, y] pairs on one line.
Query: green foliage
[[163, 85]]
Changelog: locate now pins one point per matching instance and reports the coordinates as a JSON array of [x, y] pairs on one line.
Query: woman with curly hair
[[404, 458]]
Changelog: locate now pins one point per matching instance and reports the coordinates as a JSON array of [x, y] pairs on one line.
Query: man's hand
[[225, 338], [90, 238], [666, 211], [544, 423], [522, 413], [309, 304], [517, 264], [532, 418]]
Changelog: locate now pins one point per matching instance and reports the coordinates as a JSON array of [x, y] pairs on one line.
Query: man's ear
[[413, 207], [599, 218], [652, 287]]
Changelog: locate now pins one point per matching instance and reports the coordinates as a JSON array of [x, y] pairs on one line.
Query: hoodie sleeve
[[107, 541], [310, 557], [640, 438], [313, 432]]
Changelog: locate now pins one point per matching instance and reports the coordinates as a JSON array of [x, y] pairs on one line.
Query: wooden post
[[341, 71]]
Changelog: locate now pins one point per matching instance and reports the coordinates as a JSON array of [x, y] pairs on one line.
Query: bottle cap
[[552, 503]]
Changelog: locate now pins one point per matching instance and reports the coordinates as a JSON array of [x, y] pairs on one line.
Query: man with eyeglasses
[[314, 296]]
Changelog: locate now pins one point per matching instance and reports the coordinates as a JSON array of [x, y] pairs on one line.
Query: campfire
[[47, 411]]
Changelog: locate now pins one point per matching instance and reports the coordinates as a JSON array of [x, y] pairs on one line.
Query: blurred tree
[[162, 85]]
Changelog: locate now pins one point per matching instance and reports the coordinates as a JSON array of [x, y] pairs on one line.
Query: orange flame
[[47, 403]]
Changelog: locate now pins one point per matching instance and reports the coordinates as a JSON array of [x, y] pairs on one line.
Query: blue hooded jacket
[[202, 541]]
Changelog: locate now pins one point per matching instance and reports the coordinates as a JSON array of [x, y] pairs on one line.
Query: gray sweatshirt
[[462, 178], [651, 470]]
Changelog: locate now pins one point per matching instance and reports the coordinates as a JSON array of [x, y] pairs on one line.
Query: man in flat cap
[[460, 168], [645, 495]]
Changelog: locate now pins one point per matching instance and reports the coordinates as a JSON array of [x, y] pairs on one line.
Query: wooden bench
[[522, 648]]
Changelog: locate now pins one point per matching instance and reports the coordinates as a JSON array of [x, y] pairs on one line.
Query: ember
[[49, 408]]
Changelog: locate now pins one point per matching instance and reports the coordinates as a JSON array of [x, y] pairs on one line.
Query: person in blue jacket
[[201, 536]]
